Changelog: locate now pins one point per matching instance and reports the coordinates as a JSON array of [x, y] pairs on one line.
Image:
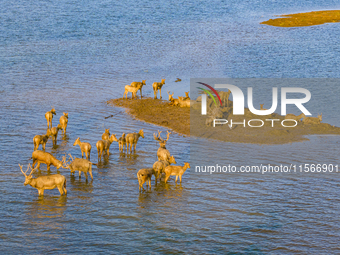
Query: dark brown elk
[[45, 158], [132, 139], [158, 86], [54, 133], [63, 121], [84, 147], [41, 139], [80, 165], [162, 152], [177, 171], [45, 182], [49, 117], [144, 175], [138, 84], [106, 134], [160, 165], [104, 145]]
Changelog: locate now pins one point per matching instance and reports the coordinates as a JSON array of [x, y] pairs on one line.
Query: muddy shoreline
[[178, 119]]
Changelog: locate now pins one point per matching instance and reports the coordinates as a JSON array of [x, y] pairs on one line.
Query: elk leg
[[41, 192], [160, 93], [176, 178], [155, 93], [134, 146], [108, 152], [82, 154], [38, 166], [180, 178], [79, 174], [89, 155], [85, 175], [48, 167], [44, 145], [60, 190]]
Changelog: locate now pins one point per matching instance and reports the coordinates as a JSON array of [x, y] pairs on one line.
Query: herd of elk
[[162, 166], [181, 101]]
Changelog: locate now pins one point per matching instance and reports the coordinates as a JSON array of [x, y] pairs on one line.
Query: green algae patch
[[305, 19]]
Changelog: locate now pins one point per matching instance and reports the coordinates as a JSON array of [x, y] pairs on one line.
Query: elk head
[[66, 114], [53, 111], [141, 133], [170, 95], [113, 138], [28, 178], [172, 160], [161, 141]]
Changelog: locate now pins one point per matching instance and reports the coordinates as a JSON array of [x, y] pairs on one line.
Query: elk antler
[[33, 169], [158, 138], [167, 135], [23, 171]]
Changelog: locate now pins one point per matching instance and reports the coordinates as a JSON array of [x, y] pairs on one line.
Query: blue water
[[77, 55]]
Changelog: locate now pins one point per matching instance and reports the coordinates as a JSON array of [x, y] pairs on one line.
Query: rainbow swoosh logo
[[208, 92]]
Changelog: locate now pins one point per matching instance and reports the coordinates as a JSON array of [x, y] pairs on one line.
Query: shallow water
[[75, 57]]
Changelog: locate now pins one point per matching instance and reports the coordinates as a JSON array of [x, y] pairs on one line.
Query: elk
[[49, 117], [41, 139], [261, 107], [45, 158], [122, 142], [160, 165], [224, 95], [84, 147], [106, 134], [158, 86], [162, 152], [186, 96], [138, 84], [80, 165], [183, 103], [313, 120], [63, 121], [295, 117], [132, 139], [178, 171], [173, 101], [131, 89], [104, 145], [144, 175], [45, 182], [54, 133]]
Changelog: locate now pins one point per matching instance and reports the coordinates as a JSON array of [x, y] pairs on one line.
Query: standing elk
[[160, 165], [313, 120], [80, 165], [122, 142], [144, 175], [158, 86], [131, 89], [45, 182], [41, 139], [132, 139], [84, 147], [177, 171], [138, 84], [45, 158], [63, 121], [54, 133], [106, 134], [104, 145], [49, 117], [162, 152]]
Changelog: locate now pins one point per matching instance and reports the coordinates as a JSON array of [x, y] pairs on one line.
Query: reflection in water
[[81, 185], [47, 207]]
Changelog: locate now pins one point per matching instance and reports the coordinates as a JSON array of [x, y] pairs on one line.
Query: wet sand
[[305, 19], [178, 119]]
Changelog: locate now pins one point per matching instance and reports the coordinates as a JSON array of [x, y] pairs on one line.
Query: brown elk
[[261, 107], [132, 139], [106, 134], [313, 120], [122, 142], [80, 165], [54, 133], [160, 165], [144, 175], [49, 117], [84, 147], [158, 86], [173, 101], [162, 152], [138, 84], [41, 139], [63, 121], [295, 117], [177, 171], [45, 182], [186, 96], [131, 89], [183, 103], [45, 158], [104, 145]]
